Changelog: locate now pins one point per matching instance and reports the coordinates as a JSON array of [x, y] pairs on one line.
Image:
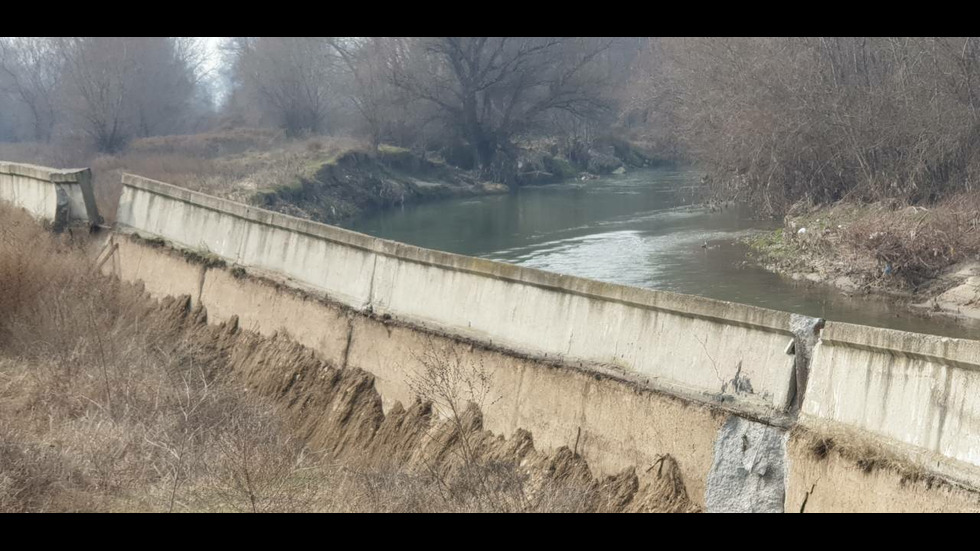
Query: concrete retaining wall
[[918, 393], [701, 349], [612, 423], [887, 421], [37, 190]]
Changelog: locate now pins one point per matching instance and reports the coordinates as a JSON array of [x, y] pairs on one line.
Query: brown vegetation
[[819, 119], [230, 163], [103, 409], [467, 99], [917, 244], [110, 89], [881, 246]]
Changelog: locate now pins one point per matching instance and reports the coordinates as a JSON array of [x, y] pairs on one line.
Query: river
[[635, 229]]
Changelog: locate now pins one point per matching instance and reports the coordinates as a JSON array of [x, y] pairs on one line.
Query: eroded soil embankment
[[926, 258], [359, 182], [338, 415]]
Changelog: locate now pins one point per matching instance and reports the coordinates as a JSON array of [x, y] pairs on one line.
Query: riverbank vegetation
[[881, 246], [775, 121], [779, 121], [469, 100], [328, 127], [258, 118], [869, 145]]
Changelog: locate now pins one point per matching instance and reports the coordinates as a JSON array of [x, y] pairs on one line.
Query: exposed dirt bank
[[326, 178], [337, 414], [925, 258], [323, 178], [361, 181], [352, 182], [548, 161]]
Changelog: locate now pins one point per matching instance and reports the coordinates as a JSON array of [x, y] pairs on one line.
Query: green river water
[[636, 229]]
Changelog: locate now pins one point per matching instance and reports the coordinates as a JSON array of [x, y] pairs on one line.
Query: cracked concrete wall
[[616, 423], [642, 372], [612, 423], [806, 334], [915, 390], [701, 349]]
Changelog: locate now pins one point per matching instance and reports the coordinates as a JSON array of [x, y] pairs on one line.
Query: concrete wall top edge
[[959, 352], [742, 314], [67, 175]]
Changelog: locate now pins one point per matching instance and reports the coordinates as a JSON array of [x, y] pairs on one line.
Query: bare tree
[[368, 86], [781, 120], [125, 86], [169, 72], [487, 89], [30, 72], [290, 79]]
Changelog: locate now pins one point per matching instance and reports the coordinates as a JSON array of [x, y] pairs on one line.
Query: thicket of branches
[[471, 97], [780, 120], [776, 120], [104, 89]]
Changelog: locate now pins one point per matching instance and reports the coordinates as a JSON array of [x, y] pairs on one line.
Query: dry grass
[[230, 163], [102, 409]]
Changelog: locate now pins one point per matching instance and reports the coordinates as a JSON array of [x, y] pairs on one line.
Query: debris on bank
[[928, 258]]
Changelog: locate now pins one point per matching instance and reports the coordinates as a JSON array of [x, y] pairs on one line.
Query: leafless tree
[[30, 72], [367, 85], [488, 89], [119, 87], [290, 79], [167, 83], [781, 120]]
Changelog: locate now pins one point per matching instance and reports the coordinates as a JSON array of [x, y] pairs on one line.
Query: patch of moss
[[209, 260], [151, 241], [294, 184], [314, 166], [560, 168], [771, 243], [385, 149], [262, 198]]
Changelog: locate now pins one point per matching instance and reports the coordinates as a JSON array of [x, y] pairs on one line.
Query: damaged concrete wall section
[[712, 351], [748, 474], [754, 405], [760, 410], [59, 197]]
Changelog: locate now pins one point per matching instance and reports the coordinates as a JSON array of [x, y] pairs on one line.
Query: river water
[[636, 229]]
